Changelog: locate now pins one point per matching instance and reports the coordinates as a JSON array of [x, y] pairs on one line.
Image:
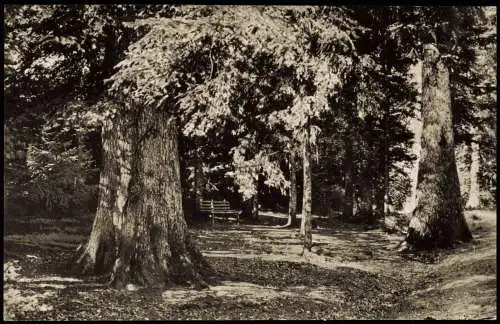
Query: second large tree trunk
[[438, 219], [306, 222], [99, 254], [140, 235]]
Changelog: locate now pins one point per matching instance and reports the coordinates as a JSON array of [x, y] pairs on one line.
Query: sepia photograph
[[249, 162]]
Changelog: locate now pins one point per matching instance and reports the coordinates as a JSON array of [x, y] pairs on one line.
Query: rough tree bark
[[98, 256], [292, 193], [254, 203], [306, 222], [415, 125], [473, 199], [438, 219], [144, 233], [384, 161]]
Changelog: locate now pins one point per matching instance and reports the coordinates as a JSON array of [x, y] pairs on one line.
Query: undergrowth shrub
[[56, 175], [58, 178]]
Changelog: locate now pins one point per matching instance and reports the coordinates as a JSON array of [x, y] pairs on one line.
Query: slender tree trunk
[[255, 206], [473, 199], [387, 163], [199, 180], [438, 219], [292, 204], [306, 222], [365, 211], [348, 205], [150, 245], [380, 203], [292, 193], [382, 192]]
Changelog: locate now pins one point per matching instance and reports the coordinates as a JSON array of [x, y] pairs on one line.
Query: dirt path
[[463, 284], [456, 285]]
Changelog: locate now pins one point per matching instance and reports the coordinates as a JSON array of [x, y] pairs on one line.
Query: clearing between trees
[[352, 273]]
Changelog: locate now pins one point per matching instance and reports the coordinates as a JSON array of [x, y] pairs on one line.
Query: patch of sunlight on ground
[[41, 237], [467, 281], [252, 292], [283, 215], [466, 308], [239, 232], [48, 221], [16, 300], [60, 239], [48, 285], [51, 278], [471, 256]]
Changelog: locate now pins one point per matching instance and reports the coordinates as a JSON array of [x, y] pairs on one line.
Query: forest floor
[[353, 273]]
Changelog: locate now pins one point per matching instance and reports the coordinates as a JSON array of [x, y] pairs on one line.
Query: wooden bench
[[218, 207]]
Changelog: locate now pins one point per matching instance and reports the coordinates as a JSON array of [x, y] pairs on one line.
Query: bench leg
[[213, 219]]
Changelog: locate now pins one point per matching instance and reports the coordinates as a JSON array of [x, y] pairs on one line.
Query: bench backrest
[[213, 205]]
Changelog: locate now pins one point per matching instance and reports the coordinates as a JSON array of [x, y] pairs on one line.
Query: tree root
[[185, 268]]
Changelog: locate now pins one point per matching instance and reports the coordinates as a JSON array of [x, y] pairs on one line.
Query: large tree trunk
[[348, 205], [99, 256], [150, 245], [438, 219], [380, 203], [473, 199], [306, 222]]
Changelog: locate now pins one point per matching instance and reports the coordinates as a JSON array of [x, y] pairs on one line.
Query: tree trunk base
[[186, 267], [289, 224], [95, 258], [422, 238]]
